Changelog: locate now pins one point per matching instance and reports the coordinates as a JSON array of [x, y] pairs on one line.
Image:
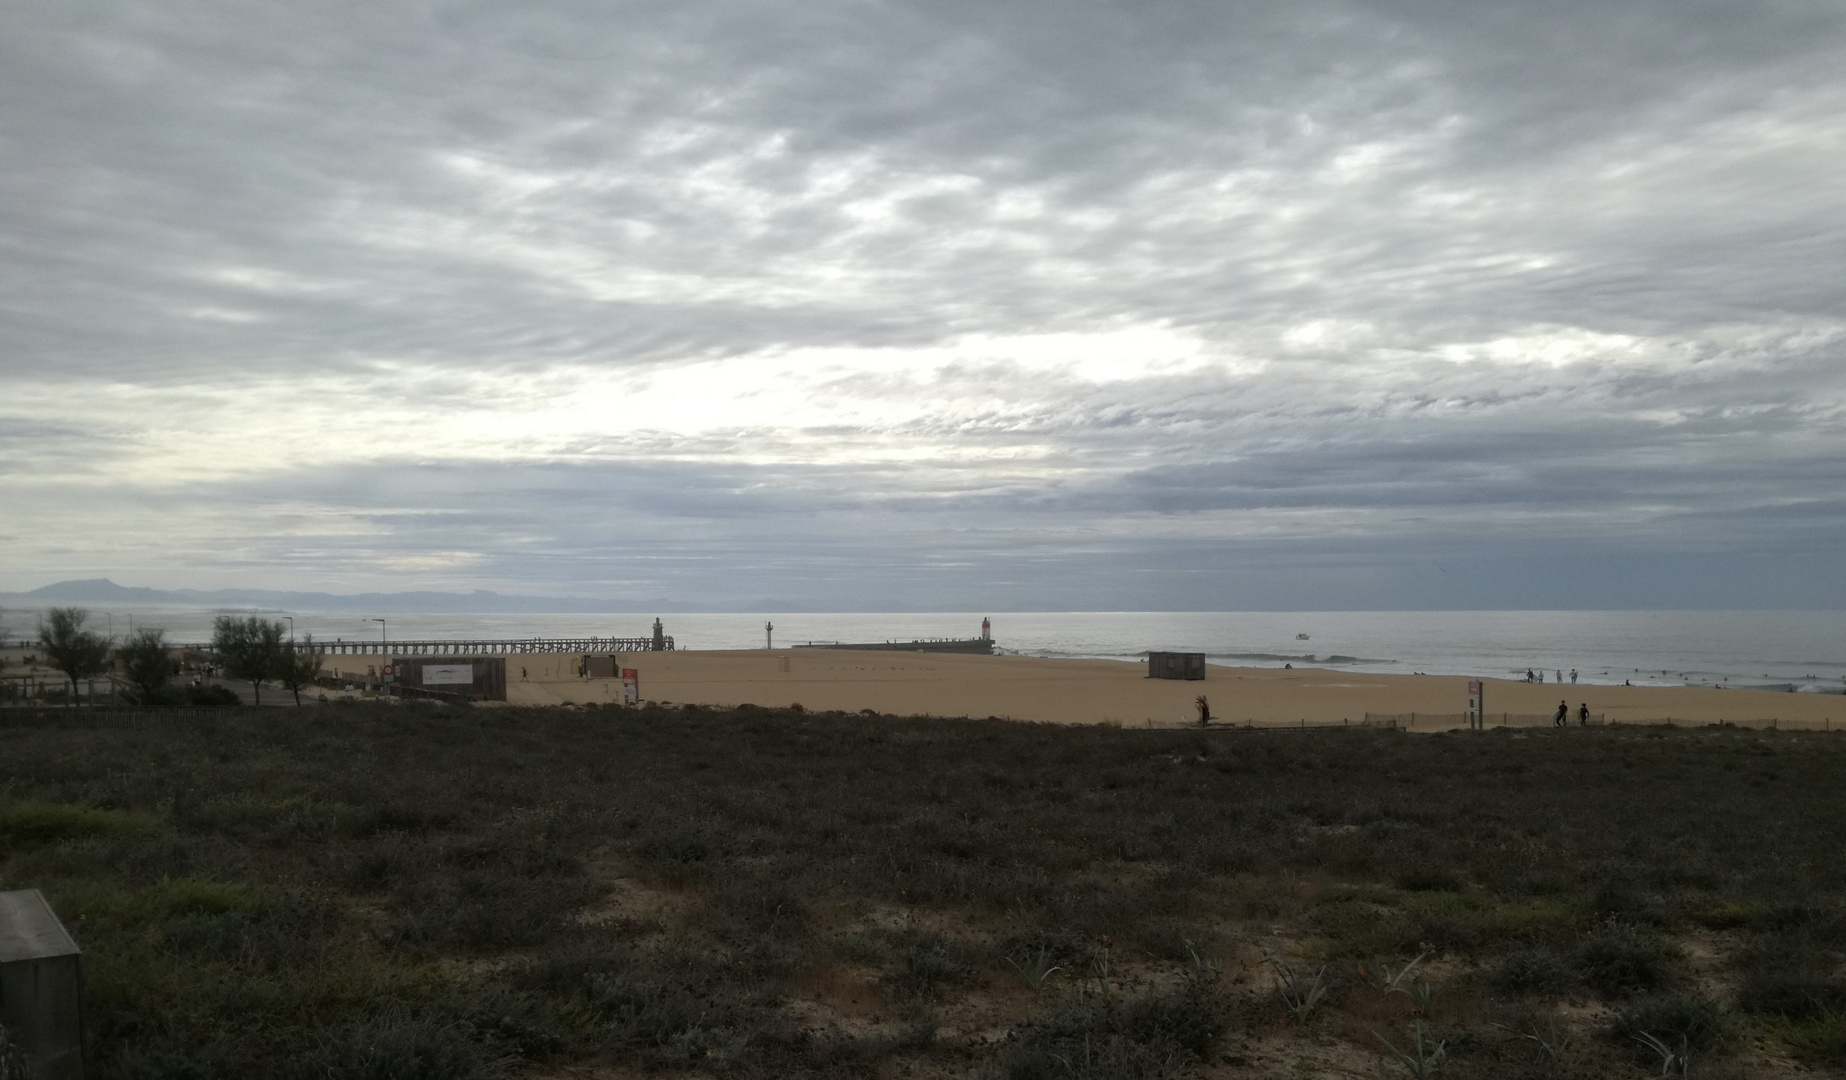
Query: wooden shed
[[41, 987], [1176, 665]]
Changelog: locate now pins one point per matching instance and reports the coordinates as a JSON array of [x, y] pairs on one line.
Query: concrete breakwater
[[976, 646]]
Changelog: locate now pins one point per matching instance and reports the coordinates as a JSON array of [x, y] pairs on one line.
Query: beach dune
[[1113, 692]]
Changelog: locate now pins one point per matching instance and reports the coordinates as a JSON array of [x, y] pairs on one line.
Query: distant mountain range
[[105, 592]]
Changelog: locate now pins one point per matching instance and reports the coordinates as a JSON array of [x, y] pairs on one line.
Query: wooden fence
[[91, 718]]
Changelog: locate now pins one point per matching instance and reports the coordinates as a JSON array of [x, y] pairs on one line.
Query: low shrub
[[1541, 971], [927, 962], [1818, 1039], [1618, 961], [1180, 943], [1729, 916], [644, 1016], [1789, 975], [205, 697], [397, 1048], [1430, 879], [1148, 1039], [1693, 1025]]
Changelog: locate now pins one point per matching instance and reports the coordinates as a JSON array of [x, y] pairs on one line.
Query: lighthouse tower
[[987, 629]]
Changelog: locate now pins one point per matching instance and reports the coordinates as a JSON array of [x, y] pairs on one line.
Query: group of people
[[1539, 675], [1562, 717]]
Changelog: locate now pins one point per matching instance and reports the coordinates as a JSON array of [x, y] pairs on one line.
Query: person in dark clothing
[[1583, 715], [1562, 719]]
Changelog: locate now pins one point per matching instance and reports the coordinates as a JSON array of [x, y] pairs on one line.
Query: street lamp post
[[769, 635], [384, 652]]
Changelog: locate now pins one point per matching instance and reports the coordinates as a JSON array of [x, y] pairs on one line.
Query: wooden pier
[[498, 647]]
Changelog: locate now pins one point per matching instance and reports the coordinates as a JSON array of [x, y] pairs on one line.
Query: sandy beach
[[1102, 691]]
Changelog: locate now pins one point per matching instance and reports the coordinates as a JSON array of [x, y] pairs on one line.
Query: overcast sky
[[996, 305]]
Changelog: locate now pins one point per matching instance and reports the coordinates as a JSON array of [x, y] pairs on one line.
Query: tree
[[76, 652], [299, 665], [148, 662], [250, 648]]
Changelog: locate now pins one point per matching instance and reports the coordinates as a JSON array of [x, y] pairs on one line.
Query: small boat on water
[[1301, 637]]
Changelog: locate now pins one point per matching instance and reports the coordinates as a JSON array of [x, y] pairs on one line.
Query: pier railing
[[491, 647]]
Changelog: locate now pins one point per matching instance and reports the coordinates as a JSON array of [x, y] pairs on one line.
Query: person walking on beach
[[1562, 719], [1583, 715], [1529, 675], [1560, 678], [1573, 676]]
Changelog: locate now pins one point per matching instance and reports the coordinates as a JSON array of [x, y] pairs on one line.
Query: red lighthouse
[[987, 630]]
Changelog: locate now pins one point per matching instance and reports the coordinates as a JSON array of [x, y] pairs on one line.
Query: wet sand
[[1102, 691]]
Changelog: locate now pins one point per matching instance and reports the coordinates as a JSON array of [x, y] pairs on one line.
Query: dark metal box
[[41, 986]]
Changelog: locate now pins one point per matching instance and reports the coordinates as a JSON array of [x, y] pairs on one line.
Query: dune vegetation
[[408, 892]]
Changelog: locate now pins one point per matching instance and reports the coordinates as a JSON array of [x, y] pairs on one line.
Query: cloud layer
[[1024, 304]]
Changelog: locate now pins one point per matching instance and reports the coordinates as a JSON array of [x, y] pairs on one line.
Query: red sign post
[[631, 687]]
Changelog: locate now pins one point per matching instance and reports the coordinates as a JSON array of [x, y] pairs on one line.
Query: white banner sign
[[448, 674]]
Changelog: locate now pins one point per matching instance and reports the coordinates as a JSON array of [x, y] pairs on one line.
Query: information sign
[[448, 674]]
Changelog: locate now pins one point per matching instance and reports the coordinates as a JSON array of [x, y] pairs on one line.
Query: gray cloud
[[914, 301]]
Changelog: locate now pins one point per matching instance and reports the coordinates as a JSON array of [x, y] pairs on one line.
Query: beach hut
[[41, 987], [1176, 665]]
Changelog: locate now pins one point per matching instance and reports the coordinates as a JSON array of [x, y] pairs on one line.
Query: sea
[[1801, 651]]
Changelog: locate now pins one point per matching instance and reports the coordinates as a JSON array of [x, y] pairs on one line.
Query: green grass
[[1817, 1040], [118, 905], [25, 822]]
